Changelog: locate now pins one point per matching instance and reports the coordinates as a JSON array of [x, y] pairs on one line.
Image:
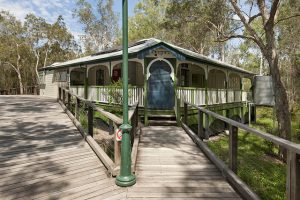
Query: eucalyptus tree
[[264, 12], [289, 51], [11, 41], [100, 24], [50, 42], [147, 20], [189, 24]]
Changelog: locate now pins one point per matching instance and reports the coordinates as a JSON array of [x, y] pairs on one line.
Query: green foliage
[[258, 164], [25, 47], [147, 20], [82, 117], [262, 172], [114, 93], [100, 24]]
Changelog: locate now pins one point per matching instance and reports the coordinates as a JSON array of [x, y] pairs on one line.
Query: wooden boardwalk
[[171, 166], [43, 156]]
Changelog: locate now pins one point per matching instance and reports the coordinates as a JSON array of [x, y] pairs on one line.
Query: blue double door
[[161, 94]]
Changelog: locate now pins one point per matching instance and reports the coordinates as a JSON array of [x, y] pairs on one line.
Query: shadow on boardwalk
[[41, 153]]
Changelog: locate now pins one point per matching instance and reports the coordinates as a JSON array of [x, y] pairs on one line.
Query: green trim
[[86, 85], [145, 93]]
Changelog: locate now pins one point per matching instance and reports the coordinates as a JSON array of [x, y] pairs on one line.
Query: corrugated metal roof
[[139, 47]]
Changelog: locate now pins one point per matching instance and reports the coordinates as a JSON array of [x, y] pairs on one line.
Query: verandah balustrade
[[195, 96]]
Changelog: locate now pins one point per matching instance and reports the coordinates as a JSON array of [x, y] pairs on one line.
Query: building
[[161, 77]]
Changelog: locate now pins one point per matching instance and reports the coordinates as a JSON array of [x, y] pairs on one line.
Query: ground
[[258, 165]]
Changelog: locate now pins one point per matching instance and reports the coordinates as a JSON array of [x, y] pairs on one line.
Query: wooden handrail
[[272, 138], [113, 167], [293, 149]]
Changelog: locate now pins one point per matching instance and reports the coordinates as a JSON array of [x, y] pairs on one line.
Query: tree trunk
[[36, 67], [281, 100], [20, 82], [46, 56]]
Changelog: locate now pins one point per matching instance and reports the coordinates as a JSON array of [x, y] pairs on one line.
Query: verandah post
[[233, 147]]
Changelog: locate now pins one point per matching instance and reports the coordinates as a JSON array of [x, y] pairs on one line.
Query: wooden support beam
[[90, 120], [293, 176], [233, 148]]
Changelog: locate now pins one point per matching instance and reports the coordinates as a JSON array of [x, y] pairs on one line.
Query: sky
[[51, 9]]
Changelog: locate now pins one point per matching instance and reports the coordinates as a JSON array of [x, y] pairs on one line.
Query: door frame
[[161, 59], [172, 75]]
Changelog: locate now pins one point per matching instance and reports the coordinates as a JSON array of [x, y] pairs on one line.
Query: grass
[[258, 166]]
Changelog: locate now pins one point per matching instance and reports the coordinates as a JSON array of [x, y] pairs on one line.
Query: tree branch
[[274, 11], [286, 18], [263, 10], [226, 38], [10, 65], [248, 27], [253, 17]]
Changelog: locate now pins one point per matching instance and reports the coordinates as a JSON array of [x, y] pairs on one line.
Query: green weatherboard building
[[161, 77]]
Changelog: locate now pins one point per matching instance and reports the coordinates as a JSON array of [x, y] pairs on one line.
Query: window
[[198, 80], [61, 76], [77, 78], [100, 77], [116, 75], [184, 78]]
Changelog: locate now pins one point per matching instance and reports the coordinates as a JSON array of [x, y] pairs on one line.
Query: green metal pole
[[126, 178]]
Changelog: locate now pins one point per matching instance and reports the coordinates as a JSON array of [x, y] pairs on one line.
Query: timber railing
[[29, 90], [110, 94], [293, 151], [214, 96], [82, 112]]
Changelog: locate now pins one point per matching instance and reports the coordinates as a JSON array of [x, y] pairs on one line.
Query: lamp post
[[126, 178]]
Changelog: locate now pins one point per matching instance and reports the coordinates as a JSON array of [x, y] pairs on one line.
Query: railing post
[[293, 176], [233, 147], [185, 112], [90, 120], [206, 126], [64, 96], [77, 103], [59, 93], [69, 101], [200, 125]]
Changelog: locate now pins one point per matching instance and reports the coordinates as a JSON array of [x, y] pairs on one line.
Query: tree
[[265, 38], [147, 20], [189, 23], [44, 38], [100, 26], [11, 36], [26, 47]]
